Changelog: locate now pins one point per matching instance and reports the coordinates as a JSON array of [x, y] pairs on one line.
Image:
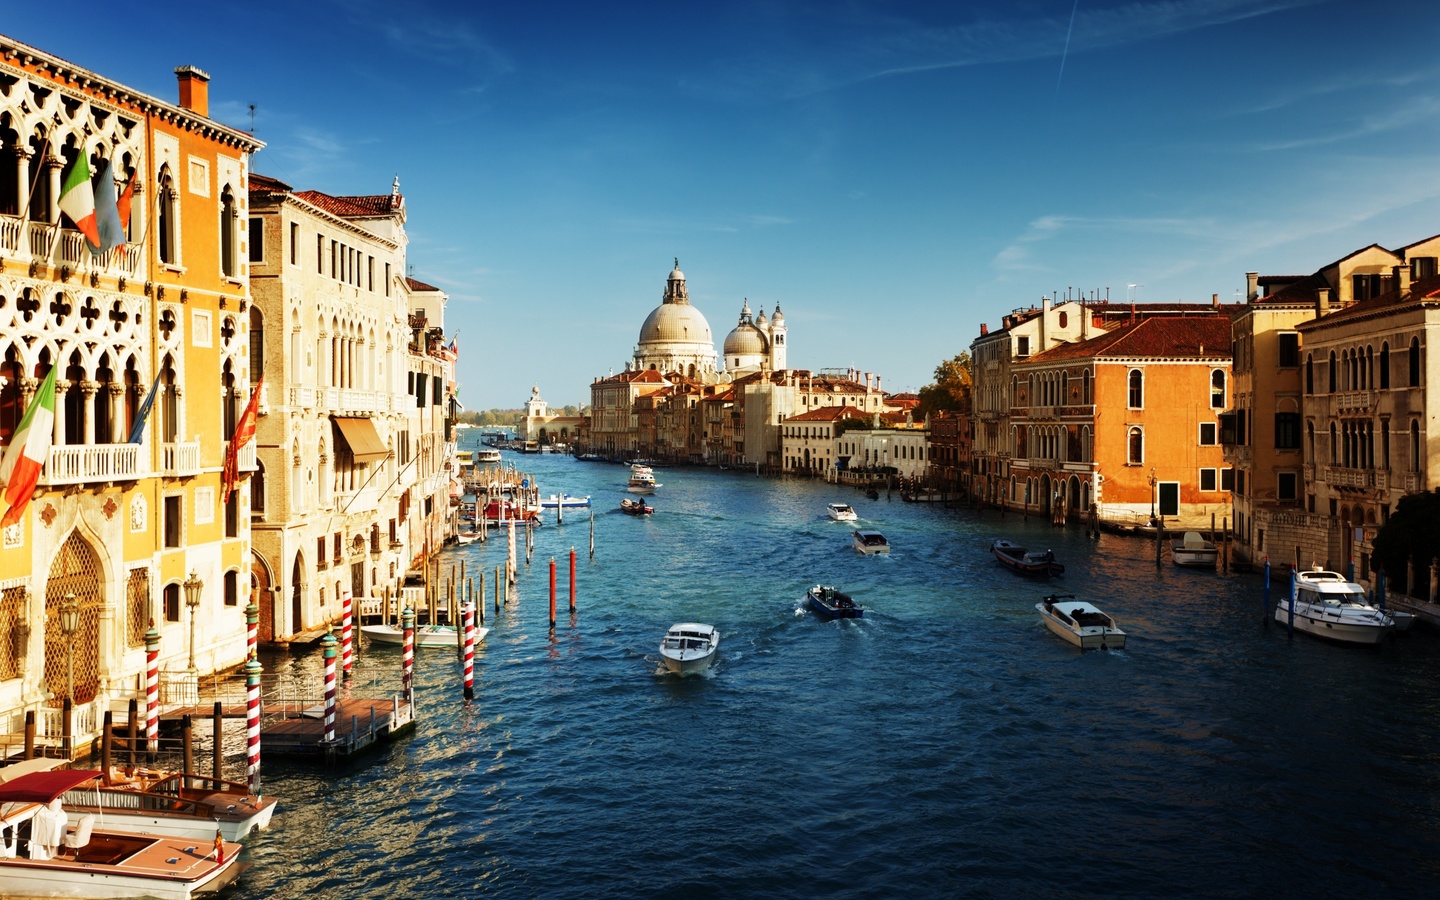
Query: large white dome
[[676, 323]]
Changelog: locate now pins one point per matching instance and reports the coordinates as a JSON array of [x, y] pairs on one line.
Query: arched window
[[1137, 390], [228, 215], [1415, 362], [1135, 446], [1064, 386], [1217, 389], [1385, 365], [257, 489], [1310, 442], [1334, 447], [257, 343], [1369, 364], [167, 213], [1085, 387], [12, 406], [1015, 390]]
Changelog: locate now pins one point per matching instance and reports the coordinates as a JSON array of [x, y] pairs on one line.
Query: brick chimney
[[1322, 302], [984, 329], [1402, 281], [1214, 299], [194, 89], [1252, 286]]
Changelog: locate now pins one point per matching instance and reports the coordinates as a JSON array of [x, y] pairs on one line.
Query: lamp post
[[1152, 496], [192, 586], [69, 625]]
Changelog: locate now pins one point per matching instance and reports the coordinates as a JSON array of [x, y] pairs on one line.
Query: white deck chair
[[78, 835]]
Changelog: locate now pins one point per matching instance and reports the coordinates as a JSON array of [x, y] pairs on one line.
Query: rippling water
[[945, 744]]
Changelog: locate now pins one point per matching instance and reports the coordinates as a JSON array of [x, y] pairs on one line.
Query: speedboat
[[1328, 606], [1193, 551], [425, 635], [868, 543], [830, 603], [841, 512], [1026, 562], [41, 855], [559, 501], [1081, 624], [689, 647]]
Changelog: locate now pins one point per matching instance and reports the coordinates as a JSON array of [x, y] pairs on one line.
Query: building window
[[172, 602], [167, 212], [1022, 347], [1208, 480], [1135, 453], [1217, 389], [232, 588], [174, 520], [1137, 390], [257, 240], [1415, 362], [1332, 371], [1285, 487], [1309, 374], [1227, 479], [228, 214], [1415, 460], [1287, 431], [320, 254], [294, 241], [1385, 365], [1207, 434], [1289, 349]]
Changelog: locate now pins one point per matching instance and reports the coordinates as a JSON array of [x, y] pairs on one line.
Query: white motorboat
[[425, 635], [487, 456], [1082, 624], [467, 537], [689, 647], [43, 855], [642, 480], [841, 512], [558, 501], [1328, 606], [1193, 551], [868, 543]]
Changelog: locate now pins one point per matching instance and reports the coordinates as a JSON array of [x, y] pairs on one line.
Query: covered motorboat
[[689, 647], [831, 603], [1027, 562], [1082, 624], [1193, 551], [1328, 606]]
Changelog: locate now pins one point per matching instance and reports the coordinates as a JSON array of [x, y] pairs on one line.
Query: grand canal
[[944, 745]]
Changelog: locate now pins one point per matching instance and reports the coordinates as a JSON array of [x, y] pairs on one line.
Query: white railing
[[10, 229], [302, 397], [246, 461], [180, 460], [357, 400], [72, 248], [42, 239], [1353, 400], [92, 462]]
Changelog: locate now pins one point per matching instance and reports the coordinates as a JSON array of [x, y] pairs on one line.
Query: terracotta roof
[[267, 185], [1420, 291], [417, 285], [830, 414], [1176, 337], [353, 207], [636, 376]]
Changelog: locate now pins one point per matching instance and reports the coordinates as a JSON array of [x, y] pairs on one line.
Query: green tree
[[950, 392], [1413, 532]]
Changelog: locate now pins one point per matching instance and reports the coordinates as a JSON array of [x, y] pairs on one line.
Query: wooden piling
[[132, 736], [497, 589], [592, 531], [1225, 545], [217, 730], [67, 727], [187, 746], [105, 738], [29, 734]]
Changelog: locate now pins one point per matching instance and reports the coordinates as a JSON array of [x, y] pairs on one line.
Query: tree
[[1413, 533], [950, 391]]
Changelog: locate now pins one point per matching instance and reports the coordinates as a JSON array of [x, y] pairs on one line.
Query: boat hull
[[833, 609], [692, 665], [425, 635], [689, 648], [146, 874], [1016, 559], [1105, 636], [1194, 559], [1342, 632]]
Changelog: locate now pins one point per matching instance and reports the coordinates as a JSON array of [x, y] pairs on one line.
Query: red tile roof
[[353, 207], [417, 285], [830, 414], [1172, 337], [265, 184]]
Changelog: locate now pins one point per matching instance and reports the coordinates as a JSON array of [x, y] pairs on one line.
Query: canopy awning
[[364, 440], [42, 787]]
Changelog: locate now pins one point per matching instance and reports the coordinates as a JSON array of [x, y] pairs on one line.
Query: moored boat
[[557, 501], [689, 647], [869, 543], [1193, 551], [500, 511], [1329, 606], [41, 856], [1080, 623], [841, 512], [831, 603], [425, 635], [1026, 562], [467, 537]]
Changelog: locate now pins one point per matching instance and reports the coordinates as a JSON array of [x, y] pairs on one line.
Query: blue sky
[[892, 174]]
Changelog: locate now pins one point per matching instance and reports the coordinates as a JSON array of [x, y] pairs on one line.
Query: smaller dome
[[760, 318], [744, 340], [779, 317], [675, 273]]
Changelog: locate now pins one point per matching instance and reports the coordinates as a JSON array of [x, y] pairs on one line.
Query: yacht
[[841, 512], [1328, 606]]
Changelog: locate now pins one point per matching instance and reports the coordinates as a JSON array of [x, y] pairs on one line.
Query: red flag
[[244, 433], [123, 206]]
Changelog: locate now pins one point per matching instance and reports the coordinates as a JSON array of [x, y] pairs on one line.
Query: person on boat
[[1049, 555]]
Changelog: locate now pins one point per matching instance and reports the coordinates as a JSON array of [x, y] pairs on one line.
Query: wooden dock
[[359, 724]]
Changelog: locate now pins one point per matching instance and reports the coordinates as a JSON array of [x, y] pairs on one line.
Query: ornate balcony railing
[[180, 460], [82, 463], [1352, 401], [246, 461]]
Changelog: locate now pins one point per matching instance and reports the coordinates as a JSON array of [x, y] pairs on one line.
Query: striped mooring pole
[[347, 651], [252, 725], [469, 617], [328, 645], [407, 655], [152, 691]]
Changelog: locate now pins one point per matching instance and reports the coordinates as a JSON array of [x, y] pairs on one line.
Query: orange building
[[1127, 422]]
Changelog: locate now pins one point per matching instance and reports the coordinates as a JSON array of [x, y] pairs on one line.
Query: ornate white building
[[756, 344]]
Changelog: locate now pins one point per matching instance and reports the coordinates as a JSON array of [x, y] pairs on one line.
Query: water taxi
[[869, 543], [1328, 606], [689, 647], [841, 512], [1194, 552], [1081, 624], [1027, 562]]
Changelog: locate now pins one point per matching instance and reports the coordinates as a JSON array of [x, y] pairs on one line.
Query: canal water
[[946, 744]]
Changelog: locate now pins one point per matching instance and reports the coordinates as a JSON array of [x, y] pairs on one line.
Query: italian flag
[[77, 199], [30, 446]]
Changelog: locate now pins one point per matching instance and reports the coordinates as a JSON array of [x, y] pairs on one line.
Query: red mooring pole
[[572, 579], [552, 593], [469, 618]]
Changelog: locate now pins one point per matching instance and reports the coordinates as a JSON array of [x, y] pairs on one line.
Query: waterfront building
[[542, 424], [808, 440], [675, 336], [614, 418], [1126, 421], [354, 372], [892, 445], [950, 460], [116, 534]]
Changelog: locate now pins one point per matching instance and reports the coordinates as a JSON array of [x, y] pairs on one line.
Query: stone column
[[61, 389], [22, 186], [1434, 579], [119, 433], [53, 167], [87, 408]]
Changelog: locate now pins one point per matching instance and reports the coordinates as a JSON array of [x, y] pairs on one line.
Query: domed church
[[675, 336], [756, 343]]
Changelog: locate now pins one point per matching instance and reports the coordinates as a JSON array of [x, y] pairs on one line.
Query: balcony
[[246, 462], [47, 244], [80, 464], [1339, 476], [180, 460], [1352, 402]]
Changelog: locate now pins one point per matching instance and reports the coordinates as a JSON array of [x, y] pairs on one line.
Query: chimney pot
[[984, 329], [1252, 290], [1214, 299], [194, 89]]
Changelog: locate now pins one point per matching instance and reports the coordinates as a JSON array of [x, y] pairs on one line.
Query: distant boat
[[1026, 562], [1082, 625], [556, 502], [1193, 551], [841, 512], [689, 647], [467, 537], [831, 603], [642, 480], [636, 507]]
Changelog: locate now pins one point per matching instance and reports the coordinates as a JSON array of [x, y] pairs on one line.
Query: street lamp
[[192, 586], [69, 625], [1152, 496]]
